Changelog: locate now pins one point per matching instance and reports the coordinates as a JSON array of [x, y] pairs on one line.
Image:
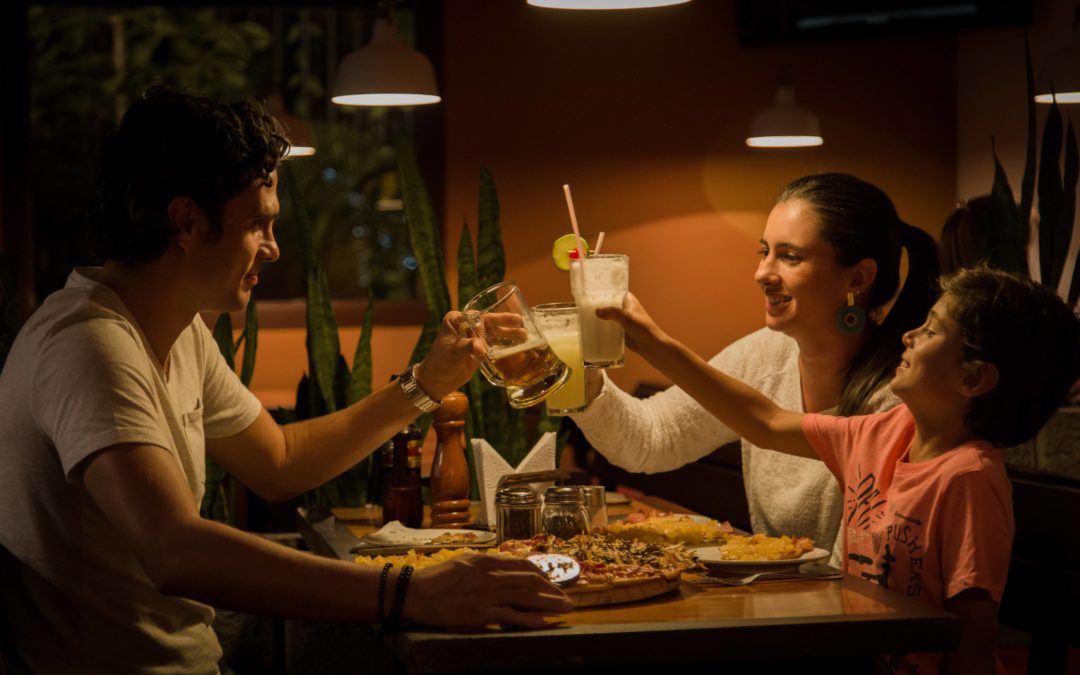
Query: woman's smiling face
[[804, 284]]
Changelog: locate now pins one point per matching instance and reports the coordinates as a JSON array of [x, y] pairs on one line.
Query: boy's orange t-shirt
[[927, 530]]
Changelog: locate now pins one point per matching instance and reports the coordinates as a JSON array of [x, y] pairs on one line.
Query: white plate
[[396, 534], [710, 557]]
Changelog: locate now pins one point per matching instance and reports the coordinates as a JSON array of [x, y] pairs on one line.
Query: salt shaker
[[564, 512], [595, 506], [517, 512]]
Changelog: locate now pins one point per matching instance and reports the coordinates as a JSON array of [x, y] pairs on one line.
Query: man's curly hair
[[1029, 334], [171, 144]]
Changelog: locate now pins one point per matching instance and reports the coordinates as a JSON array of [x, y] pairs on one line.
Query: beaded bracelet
[[382, 590], [391, 625]]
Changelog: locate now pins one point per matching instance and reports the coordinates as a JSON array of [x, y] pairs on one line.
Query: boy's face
[[932, 368]]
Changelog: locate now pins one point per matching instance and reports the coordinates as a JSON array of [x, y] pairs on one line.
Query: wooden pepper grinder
[[450, 470]]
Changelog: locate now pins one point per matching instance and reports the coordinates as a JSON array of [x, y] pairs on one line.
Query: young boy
[[928, 508]]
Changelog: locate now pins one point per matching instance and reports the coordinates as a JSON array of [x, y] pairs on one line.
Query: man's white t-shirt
[[80, 378]]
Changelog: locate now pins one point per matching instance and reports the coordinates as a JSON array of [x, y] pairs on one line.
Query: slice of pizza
[[671, 528]]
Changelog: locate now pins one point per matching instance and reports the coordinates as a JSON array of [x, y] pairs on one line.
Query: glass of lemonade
[[517, 355], [600, 280], [558, 321]]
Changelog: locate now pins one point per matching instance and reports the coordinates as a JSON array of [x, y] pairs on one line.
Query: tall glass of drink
[[558, 321], [517, 355], [600, 280]]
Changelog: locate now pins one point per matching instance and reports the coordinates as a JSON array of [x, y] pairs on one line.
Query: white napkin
[[490, 467]]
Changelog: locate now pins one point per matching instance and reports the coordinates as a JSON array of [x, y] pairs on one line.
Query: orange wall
[[644, 113]]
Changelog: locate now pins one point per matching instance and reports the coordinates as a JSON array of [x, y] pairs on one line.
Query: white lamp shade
[[1060, 78], [784, 124], [385, 72], [604, 4], [296, 130]]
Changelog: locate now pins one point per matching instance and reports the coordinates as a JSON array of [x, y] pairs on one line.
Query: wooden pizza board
[[618, 593]]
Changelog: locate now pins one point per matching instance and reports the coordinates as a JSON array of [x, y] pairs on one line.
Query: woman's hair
[[1029, 334], [171, 144], [963, 237], [860, 221]]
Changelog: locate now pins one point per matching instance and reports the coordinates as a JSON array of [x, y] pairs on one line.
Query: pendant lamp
[[1060, 79], [604, 4], [784, 124], [296, 130], [385, 72]]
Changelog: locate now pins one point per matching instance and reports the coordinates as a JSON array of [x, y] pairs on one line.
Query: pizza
[[671, 528], [613, 570], [454, 538], [763, 547]]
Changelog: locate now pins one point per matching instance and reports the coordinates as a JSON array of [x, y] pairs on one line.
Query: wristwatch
[[413, 391]]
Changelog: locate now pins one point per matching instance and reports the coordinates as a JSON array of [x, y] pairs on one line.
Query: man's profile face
[[229, 266]]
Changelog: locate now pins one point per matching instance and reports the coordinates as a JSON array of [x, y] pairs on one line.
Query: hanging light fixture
[[296, 130], [604, 4], [784, 124], [385, 72], [1060, 79]]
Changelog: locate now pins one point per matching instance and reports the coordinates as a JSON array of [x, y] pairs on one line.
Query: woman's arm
[[978, 629], [749, 413]]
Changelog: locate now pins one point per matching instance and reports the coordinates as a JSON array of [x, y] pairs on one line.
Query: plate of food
[[742, 553], [671, 528], [396, 534]]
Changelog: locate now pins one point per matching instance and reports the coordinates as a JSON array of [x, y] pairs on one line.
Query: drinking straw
[[573, 222], [599, 243]]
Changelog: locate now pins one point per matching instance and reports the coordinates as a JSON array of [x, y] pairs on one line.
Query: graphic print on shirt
[[865, 503]]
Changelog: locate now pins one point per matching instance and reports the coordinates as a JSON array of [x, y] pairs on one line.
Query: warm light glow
[[1062, 97], [386, 99], [300, 151], [604, 4], [783, 141]]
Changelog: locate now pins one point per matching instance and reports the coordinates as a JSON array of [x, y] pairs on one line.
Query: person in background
[[114, 394], [929, 504], [963, 236], [842, 279]]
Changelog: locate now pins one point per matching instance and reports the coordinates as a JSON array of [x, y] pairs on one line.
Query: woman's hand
[[642, 333], [477, 590], [452, 360]]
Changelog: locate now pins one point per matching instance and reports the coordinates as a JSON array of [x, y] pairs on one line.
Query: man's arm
[[142, 492], [978, 630], [747, 411], [280, 462]]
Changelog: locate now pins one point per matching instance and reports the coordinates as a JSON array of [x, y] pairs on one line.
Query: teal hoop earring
[[851, 319]]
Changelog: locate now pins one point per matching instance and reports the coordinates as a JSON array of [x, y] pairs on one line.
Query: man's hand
[[452, 360], [477, 590]]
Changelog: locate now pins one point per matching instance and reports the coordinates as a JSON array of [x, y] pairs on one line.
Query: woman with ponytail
[[843, 279]]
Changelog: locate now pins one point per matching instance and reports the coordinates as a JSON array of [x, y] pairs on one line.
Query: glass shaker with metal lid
[[517, 512], [564, 512]]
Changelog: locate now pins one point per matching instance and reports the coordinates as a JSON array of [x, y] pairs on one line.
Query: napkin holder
[[493, 471]]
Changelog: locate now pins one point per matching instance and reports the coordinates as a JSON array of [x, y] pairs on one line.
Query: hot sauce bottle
[[402, 499]]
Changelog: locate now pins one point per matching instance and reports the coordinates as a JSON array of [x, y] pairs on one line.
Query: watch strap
[[417, 396]]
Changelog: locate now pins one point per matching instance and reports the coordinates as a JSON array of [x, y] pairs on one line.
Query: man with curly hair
[[114, 395]]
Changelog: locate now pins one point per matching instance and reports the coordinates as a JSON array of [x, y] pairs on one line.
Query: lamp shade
[[296, 130], [385, 72], [1060, 77], [784, 124], [604, 4]]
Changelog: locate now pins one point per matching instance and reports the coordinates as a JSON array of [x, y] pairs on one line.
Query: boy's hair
[[171, 144], [1029, 334]]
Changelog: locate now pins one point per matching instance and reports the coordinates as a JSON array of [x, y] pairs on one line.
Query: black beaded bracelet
[[391, 625], [382, 590]]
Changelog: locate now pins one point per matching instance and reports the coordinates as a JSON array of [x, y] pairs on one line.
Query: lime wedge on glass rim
[[560, 251]]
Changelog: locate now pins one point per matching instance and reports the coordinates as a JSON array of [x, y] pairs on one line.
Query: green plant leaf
[[250, 336], [360, 386], [1068, 202], [323, 343], [468, 283], [1027, 184], [1053, 238], [490, 256], [223, 336], [1006, 240]]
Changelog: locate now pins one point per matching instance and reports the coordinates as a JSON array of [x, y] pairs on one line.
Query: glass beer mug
[[517, 355]]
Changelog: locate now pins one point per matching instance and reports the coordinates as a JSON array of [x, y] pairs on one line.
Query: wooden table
[[836, 624]]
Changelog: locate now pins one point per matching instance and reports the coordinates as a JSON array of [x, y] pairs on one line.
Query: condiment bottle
[[403, 501], [564, 512], [595, 506], [517, 513], [450, 470]]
